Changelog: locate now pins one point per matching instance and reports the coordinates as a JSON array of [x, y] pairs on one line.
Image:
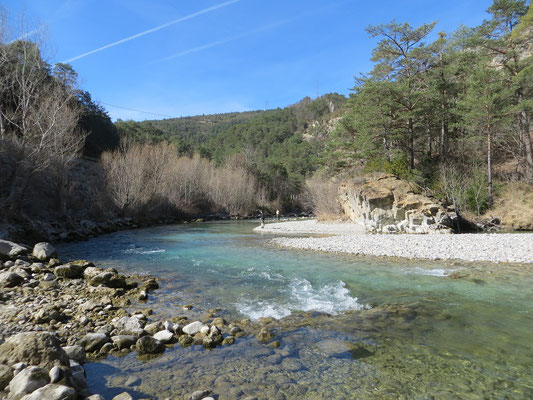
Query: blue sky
[[221, 55]]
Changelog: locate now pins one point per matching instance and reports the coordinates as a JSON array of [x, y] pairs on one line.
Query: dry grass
[[322, 197], [514, 206]]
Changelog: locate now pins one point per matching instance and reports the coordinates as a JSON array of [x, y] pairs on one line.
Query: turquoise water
[[350, 327]]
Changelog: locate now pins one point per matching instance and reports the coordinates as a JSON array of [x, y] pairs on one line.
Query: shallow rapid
[[350, 327]]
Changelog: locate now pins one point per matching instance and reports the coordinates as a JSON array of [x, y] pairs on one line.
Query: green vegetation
[[462, 102]]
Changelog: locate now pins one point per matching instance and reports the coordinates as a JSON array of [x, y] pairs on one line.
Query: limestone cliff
[[383, 203]]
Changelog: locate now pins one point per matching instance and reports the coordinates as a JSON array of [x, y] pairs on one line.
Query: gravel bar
[[494, 247]]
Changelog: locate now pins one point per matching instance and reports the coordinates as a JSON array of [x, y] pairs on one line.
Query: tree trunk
[[523, 122], [443, 138], [489, 164], [411, 144]]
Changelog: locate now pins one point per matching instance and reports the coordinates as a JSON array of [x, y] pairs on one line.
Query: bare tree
[[39, 117]]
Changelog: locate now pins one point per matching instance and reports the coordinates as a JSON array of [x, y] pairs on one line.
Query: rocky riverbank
[[54, 316], [496, 247]]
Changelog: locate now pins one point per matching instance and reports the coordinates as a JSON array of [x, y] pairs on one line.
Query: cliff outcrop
[[383, 203]]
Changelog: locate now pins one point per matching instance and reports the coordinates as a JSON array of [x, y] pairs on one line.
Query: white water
[[331, 299]]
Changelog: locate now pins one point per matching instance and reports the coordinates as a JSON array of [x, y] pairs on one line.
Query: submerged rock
[[265, 335]]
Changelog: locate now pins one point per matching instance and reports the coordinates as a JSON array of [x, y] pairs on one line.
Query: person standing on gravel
[[262, 218]]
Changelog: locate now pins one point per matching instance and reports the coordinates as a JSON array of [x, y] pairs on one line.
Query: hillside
[[280, 147]]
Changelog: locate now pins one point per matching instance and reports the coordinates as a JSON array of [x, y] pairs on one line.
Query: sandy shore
[[350, 238]]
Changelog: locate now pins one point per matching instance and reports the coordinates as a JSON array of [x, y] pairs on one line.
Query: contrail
[[222, 41], [157, 28]]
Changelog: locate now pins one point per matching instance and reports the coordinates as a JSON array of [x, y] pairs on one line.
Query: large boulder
[[41, 349], [28, 380], [52, 392], [44, 251], [10, 279], [149, 345], [383, 203], [11, 250]]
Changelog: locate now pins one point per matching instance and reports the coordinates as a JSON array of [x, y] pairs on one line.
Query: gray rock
[[108, 279], [52, 392], [44, 251], [78, 378], [164, 336], [106, 348], [10, 249], [95, 397], [10, 279], [36, 348], [94, 341], [48, 277], [70, 271], [123, 396], [76, 353], [193, 328], [130, 325], [154, 327], [124, 341], [6, 374], [199, 395], [56, 374], [28, 380], [149, 345], [91, 272]]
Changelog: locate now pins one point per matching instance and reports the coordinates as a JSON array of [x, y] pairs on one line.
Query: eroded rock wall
[[383, 203]]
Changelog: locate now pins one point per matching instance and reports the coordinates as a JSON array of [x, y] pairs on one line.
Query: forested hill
[[280, 147], [193, 130]]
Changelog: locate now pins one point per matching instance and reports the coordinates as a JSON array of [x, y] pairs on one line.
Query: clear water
[[391, 328]]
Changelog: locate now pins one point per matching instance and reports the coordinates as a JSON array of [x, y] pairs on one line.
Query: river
[[350, 327]]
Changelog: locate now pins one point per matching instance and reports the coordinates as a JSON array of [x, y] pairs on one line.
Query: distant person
[[262, 218], [277, 215]]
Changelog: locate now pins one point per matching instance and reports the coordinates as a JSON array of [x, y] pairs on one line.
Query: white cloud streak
[[222, 41], [157, 28]]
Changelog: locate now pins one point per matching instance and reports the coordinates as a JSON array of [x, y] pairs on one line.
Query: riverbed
[[348, 326]]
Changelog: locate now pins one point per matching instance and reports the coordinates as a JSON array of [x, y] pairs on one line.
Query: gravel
[[494, 247]]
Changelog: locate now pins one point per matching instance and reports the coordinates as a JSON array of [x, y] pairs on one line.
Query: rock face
[[383, 203]]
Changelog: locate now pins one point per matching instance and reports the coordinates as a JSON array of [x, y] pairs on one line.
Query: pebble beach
[[350, 238]]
